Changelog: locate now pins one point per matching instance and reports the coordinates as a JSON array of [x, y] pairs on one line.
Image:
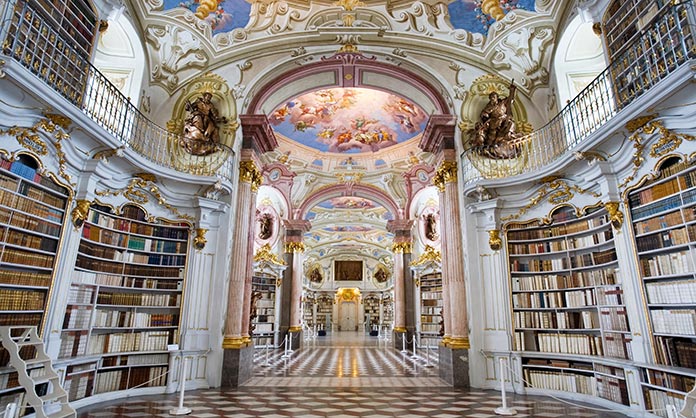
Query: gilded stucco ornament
[[429, 255], [403, 247], [79, 212], [616, 217], [494, 240], [556, 190], [294, 247], [199, 239], [265, 254], [446, 173], [248, 173]]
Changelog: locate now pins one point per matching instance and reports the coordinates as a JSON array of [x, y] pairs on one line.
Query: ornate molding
[[458, 343], [494, 240], [233, 343], [429, 255], [294, 247], [634, 124], [175, 50], [199, 239], [446, 173], [525, 49], [248, 173], [557, 190], [402, 248], [137, 192], [79, 212], [616, 217], [264, 254]]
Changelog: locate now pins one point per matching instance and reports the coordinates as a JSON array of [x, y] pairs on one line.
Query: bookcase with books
[[663, 214], [371, 308], [32, 217], [124, 303], [325, 304], [264, 317], [430, 309], [567, 303], [387, 309]]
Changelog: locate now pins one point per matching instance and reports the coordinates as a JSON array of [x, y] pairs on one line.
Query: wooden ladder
[[36, 373]]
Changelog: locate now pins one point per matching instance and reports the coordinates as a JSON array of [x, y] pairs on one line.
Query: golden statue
[[494, 135], [201, 134]]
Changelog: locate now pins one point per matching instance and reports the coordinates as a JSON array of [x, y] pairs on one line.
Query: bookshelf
[[325, 303], [568, 303], [124, 302], [430, 309], [387, 309], [264, 322], [371, 304], [663, 214], [623, 20], [32, 214]]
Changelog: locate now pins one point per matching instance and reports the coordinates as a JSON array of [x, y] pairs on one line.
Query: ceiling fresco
[[477, 16], [222, 15], [348, 120]]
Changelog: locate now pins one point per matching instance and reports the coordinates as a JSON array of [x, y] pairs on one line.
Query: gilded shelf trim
[[558, 192], [266, 254], [429, 255]]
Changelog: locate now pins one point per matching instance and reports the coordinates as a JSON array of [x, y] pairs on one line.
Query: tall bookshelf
[[308, 309], [430, 309], [371, 304], [387, 309], [663, 213], [124, 303], [325, 302], [567, 304], [32, 215], [264, 323]]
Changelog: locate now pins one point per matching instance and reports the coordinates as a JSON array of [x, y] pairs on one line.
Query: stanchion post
[[503, 410], [181, 410], [415, 349], [427, 355], [286, 353], [403, 343]]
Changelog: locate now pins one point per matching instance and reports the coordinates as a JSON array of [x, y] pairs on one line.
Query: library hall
[[346, 208]]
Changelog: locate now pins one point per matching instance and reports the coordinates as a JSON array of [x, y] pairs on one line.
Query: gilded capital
[[199, 240], [294, 247], [446, 173], [79, 213], [402, 248], [494, 240], [616, 217], [429, 255], [248, 173], [266, 254]]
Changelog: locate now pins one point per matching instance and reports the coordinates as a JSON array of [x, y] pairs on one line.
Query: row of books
[[21, 300], [129, 319], [21, 319], [9, 380], [123, 379], [563, 381], [612, 389], [674, 321], [79, 386], [538, 247], [27, 205], [556, 320], [433, 298], [610, 370], [617, 345], [679, 382], [42, 196], [674, 351], [139, 299], [657, 401], [666, 264], [431, 310], [659, 222], [435, 319], [609, 296], [549, 264], [105, 236], [33, 223], [668, 292], [126, 342], [655, 208], [584, 278], [81, 294], [17, 256], [77, 317], [580, 344], [613, 319], [89, 277], [658, 191], [555, 231], [592, 259], [35, 242], [25, 278], [103, 266], [579, 242], [152, 259], [73, 344], [134, 360], [663, 239], [136, 227], [568, 299]]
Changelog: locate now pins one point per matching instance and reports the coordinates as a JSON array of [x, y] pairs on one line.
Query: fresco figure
[[494, 134], [201, 134]]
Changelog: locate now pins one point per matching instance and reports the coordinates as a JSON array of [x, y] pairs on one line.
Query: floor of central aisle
[[345, 374]]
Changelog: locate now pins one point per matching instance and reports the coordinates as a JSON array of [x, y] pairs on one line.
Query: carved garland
[[137, 192], [557, 190]]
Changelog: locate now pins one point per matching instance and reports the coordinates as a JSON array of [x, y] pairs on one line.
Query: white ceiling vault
[[459, 50]]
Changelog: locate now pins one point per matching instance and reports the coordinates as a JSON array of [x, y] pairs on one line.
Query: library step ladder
[[35, 373], [689, 404]]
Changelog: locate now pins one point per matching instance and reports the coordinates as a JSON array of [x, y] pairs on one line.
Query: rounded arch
[[359, 190]]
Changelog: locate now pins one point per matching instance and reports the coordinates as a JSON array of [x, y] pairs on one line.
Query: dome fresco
[[477, 16], [348, 120], [222, 15]]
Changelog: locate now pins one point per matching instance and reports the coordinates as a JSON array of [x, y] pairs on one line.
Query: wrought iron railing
[[28, 38], [657, 52]]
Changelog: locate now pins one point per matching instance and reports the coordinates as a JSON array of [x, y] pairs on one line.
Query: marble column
[[401, 228], [246, 306], [294, 233]]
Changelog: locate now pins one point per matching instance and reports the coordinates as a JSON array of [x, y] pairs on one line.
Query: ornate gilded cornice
[[294, 247], [137, 192], [265, 254], [199, 239], [446, 173], [458, 343], [233, 343], [616, 217], [668, 142], [403, 247], [494, 240], [248, 173], [79, 212], [557, 190], [429, 255]]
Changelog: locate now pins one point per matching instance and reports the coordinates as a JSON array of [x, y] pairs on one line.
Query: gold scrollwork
[[494, 240], [79, 212], [248, 173], [557, 190], [446, 173], [668, 142], [60, 120], [429, 255], [634, 124], [616, 217], [2, 62], [265, 254], [294, 247], [403, 247], [199, 240], [137, 192]]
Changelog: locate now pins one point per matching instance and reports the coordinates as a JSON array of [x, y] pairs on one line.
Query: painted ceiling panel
[[477, 16], [222, 15]]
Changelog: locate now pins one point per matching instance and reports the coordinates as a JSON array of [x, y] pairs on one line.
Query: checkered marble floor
[[342, 375]]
